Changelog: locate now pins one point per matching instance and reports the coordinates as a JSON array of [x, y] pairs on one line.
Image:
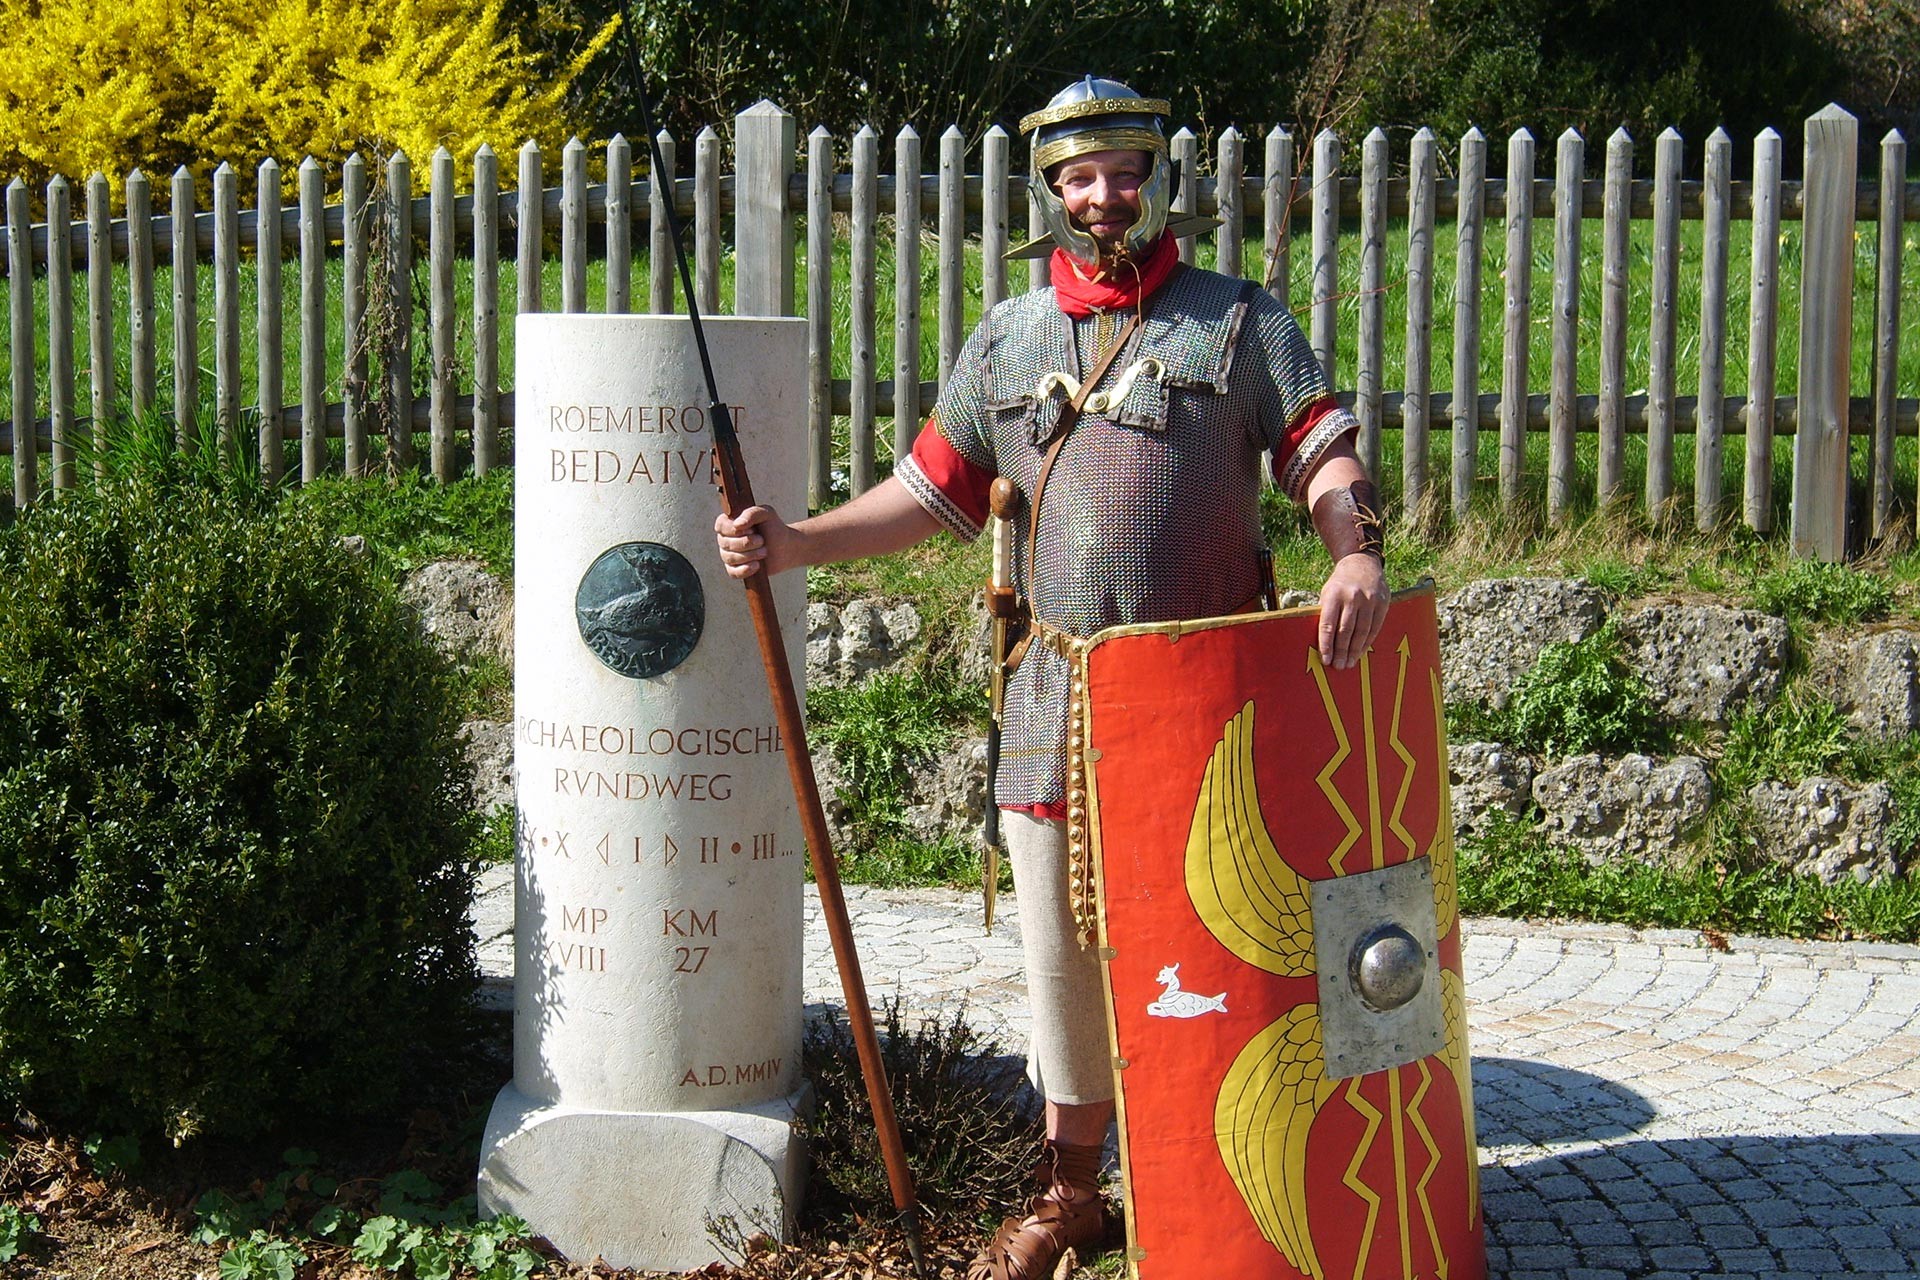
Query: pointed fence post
[[1326, 259], [706, 220], [1616, 230], [1709, 438], [25, 399], [1229, 197], [1762, 332], [764, 155], [486, 310], [269, 337], [141, 316], [354, 250], [186, 313], [618, 286], [1826, 337], [100, 313], [573, 226], [60, 327], [1416, 405], [951, 267], [313, 320], [906, 286], [1886, 322], [1663, 326], [1369, 380], [661, 266], [1569, 167], [1470, 241], [862, 350], [399, 352], [819, 317], [441, 249], [1516, 326], [226, 305], [529, 216], [1186, 195], [994, 159], [1277, 225]]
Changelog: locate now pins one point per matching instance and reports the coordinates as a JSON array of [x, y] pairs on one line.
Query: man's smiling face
[[1101, 191]]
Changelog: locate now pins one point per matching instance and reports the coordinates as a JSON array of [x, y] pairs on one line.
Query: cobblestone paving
[[1649, 1106]]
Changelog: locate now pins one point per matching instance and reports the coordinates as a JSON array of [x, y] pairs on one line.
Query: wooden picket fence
[[374, 236]]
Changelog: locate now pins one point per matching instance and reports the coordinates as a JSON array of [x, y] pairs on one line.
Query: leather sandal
[[1067, 1212]]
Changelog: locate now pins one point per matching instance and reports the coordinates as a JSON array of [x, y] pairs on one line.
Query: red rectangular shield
[[1283, 1112]]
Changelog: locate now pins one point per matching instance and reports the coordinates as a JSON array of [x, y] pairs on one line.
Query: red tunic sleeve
[[953, 490]]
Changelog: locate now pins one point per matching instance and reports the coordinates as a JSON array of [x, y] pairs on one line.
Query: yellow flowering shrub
[[108, 85]]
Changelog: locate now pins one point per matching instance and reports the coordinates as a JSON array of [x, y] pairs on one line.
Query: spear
[[736, 495]]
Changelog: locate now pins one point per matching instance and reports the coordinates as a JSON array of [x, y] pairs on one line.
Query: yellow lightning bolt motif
[[1453, 1004], [1394, 823], [1374, 836], [1433, 1161], [1397, 1112], [1325, 776], [1352, 1178]]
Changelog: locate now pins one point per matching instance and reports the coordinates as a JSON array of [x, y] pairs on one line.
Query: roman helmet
[[1099, 115]]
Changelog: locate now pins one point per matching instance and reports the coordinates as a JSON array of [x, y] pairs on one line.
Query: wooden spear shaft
[[736, 495]]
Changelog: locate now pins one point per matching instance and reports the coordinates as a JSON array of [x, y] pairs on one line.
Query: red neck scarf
[[1121, 287]]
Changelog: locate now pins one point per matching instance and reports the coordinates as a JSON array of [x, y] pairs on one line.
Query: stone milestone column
[[657, 917]]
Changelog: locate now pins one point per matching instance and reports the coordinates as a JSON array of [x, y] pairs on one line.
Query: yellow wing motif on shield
[[1258, 908], [1261, 1119], [1246, 894]]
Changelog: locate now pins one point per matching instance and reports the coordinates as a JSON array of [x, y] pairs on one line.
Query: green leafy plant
[[233, 816], [1582, 697], [1795, 737], [1815, 591], [15, 1226], [413, 1231], [879, 727], [260, 1257]]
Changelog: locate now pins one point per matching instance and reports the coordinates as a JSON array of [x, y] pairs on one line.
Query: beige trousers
[[1067, 1057]]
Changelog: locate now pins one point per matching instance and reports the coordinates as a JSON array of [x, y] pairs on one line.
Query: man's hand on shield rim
[[1354, 601], [1353, 608]]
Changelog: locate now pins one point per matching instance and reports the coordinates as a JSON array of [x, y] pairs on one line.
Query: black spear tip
[[910, 1224]]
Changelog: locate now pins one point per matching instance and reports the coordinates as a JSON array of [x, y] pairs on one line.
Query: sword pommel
[[1004, 499]]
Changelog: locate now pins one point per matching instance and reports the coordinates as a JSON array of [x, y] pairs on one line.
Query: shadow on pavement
[[1785, 1208], [1516, 1100]]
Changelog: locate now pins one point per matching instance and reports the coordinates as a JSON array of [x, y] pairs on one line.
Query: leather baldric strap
[[1069, 416]]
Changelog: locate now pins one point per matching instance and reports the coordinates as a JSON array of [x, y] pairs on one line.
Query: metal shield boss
[[1275, 874]]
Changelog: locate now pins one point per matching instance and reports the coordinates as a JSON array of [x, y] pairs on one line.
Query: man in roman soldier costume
[[1130, 405]]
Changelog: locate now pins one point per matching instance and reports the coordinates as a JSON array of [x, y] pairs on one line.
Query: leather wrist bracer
[[1348, 521]]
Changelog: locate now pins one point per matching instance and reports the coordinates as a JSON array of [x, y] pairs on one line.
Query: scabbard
[[1001, 604]]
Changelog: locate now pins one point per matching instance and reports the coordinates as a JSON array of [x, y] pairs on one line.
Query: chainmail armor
[[1151, 512]]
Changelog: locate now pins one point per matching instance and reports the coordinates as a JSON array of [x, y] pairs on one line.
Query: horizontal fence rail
[[356, 247]]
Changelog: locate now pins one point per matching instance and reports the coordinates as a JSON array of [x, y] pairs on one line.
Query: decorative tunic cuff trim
[[938, 505]]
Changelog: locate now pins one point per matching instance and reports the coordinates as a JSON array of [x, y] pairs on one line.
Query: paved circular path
[[1649, 1106]]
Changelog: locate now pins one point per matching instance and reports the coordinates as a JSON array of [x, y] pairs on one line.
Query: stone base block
[[644, 1189]]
